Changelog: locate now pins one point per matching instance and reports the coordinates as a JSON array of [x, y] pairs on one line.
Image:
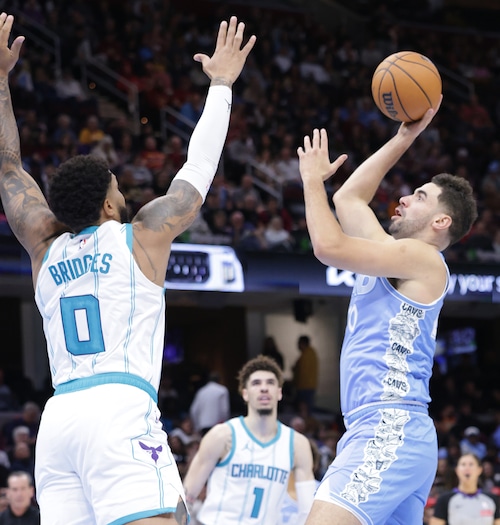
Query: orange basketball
[[405, 85]]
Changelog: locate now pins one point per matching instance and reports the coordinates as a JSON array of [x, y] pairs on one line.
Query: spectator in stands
[[22, 458], [246, 187], [7, 398], [4, 500], [20, 494], [153, 158], [175, 152], [30, 418], [90, 134], [64, 127], [287, 168], [270, 349], [105, 149], [185, 431], [239, 152], [69, 89], [472, 444], [305, 373], [277, 238], [220, 228], [272, 208], [243, 234], [210, 405]]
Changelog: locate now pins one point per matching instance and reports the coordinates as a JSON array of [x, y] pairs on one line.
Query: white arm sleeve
[[305, 496], [207, 140]]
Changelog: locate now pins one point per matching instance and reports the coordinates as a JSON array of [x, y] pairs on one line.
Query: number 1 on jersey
[[258, 493]]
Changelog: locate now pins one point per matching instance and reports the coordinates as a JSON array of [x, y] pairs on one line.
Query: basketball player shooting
[[101, 454], [386, 460]]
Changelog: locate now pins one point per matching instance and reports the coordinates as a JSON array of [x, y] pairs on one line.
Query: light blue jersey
[[389, 345], [248, 487], [386, 460]]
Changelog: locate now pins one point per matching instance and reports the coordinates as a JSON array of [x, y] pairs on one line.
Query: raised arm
[[25, 206], [353, 198], [406, 259], [160, 221], [214, 446]]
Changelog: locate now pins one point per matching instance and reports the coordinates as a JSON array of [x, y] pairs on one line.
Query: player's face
[[415, 212], [116, 197], [468, 469], [262, 392]]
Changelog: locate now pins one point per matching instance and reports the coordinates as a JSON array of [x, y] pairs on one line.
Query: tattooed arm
[[160, 221], [26, 209]]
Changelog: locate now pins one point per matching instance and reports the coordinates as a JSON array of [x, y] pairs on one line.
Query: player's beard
[[124, 215], [265, 411], [406, 228]]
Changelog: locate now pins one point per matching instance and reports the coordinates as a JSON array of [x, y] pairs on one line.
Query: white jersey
[[249, 485], [104, 320]]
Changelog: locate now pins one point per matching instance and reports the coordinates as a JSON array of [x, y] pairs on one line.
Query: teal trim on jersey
[[142, 515], [129, 236], [233, 447], [88, 229], [105, 379], [292, 450], [46, 256], [261, 443]]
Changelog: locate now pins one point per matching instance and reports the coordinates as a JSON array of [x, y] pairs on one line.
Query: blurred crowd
[[301, 75]]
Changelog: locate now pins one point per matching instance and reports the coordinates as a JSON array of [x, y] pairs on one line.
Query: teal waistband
[[106, 379]]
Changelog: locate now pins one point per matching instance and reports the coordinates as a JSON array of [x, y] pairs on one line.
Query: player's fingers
[[315, 141], [238, 37], [249, 46], [338, 162], [16, 46], [231, 30], [300, 151], [324, 139], [200, 57], [222, 34], [307, 143], [6, 22]]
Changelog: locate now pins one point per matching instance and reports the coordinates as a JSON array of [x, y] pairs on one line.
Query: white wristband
[[207, 140], [305, 496]]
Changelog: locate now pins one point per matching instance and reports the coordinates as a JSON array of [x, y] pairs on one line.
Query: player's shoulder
[[220, 434], [301, 443]]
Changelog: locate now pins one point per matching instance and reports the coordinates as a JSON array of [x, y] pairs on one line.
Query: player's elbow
[[324, 251]]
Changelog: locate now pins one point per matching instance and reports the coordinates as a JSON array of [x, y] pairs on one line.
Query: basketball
[[405, 85]]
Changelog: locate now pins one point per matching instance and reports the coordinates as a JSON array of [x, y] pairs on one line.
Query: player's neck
[[264, 428]]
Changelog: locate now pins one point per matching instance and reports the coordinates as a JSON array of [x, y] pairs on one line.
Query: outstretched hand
[[314, 159], [229, 57], [8, 56]]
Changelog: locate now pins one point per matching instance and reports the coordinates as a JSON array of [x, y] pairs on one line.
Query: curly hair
[[78, 189], [458, 199], [261, 362]]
